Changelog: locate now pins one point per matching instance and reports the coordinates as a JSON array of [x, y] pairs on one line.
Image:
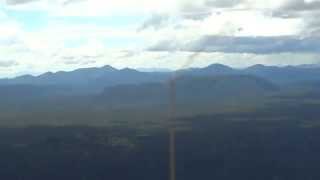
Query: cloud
[[76, 32], [179, 59], [297, 9], [68, 2], [17, 2], [284, 14], [78, 61], [223, 3], [201, 6], [305, 10], [301, 5], [196, 16], [9, 41], [156, 21], [68, 58], [126, 54], [253, 45], [7, 63], [202, 9], [312, 25], [62, 2]]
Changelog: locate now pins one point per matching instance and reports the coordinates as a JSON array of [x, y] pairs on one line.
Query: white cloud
[[8, 28], [64, 45]]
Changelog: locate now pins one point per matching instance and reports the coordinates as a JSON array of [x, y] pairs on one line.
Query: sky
[[37, 36]]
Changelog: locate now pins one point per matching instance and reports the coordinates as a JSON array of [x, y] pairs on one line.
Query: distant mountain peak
[[109, 67], [262, 67], [27, 76], [128, 70], [218, 66], [257, 66], [46, 74]]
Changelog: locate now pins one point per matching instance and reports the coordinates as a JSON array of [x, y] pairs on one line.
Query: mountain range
[[106, 76], [107, 92], [107, 80], [129, 86]]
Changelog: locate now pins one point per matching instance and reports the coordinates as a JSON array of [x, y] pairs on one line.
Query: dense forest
[[223, 146]]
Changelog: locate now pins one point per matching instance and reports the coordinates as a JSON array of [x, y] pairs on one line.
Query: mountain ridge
[[94, 80], [214, 66]]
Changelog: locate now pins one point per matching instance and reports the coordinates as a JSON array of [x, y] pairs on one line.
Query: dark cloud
[[68, 57], [301, 5], [255, 45], [127, 54], [17, 2], [8, 63], [208, 5], [77, 62], [156, 21], [313, 29], [68, 2], [166, 45], [223, 3], [206, 8], [312, 24], [91, 56], [80, 60], [190, 11], [196, 16], [308, 11], [296, 9], [284, 14], [71, 62]]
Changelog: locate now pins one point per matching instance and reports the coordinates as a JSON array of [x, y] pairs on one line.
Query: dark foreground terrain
[[283, 145]]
